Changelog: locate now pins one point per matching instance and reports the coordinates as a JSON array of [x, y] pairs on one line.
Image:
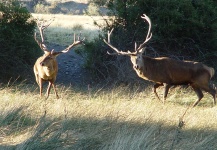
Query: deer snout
[[136, 66]]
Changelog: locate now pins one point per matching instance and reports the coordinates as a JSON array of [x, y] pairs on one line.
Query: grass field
[[120, 118], [99, 117]]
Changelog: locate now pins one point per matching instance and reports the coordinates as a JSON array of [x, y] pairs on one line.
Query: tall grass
[[120, 118]]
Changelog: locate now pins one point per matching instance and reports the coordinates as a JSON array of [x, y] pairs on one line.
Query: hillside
[[76, 7]]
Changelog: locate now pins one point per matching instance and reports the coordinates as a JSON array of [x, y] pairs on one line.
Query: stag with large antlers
[[164, 71], [46, 66]]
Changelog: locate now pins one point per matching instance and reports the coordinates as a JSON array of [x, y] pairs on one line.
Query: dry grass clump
[[116, 118]]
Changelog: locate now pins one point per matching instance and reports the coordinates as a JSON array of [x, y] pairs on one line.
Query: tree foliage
[[17, 45]]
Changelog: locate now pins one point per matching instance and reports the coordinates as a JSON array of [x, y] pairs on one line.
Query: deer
[[165, 71], [46, 66]]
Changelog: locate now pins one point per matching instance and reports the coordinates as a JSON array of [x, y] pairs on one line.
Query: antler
[[42, 26], [114, 48], [79, 41], [118, 52], [149, 35]]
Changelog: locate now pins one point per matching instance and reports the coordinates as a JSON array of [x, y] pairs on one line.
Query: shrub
[[77, 27], [41, 8], [47, 8], [17, 45], [94, 55], [92, 9]]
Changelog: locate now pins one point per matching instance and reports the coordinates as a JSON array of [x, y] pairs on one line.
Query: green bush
[[94, 54], [182, 29], [17, 45]]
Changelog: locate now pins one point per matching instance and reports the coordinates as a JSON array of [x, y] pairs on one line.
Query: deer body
[[46, 71], [164, 71], [170, 71], [46, 66]]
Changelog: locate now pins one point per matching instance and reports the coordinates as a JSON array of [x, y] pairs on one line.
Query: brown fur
[[166, 71], [46, 69]]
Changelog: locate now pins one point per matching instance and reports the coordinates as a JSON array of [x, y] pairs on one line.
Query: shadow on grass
[[106, 133]]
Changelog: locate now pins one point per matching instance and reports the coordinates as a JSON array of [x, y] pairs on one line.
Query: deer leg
[[211, 90], [155, 87], [40, 83], [199, 95], [48, 88], [54, 87], [214, 94], [166, 90]]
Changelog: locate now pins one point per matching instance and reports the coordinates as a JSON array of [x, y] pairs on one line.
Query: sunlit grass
[[63, 27], [121, 117]]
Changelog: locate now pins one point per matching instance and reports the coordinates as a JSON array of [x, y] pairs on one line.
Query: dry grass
[[117, 118]]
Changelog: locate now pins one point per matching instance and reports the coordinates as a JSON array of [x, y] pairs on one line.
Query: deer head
[[136, 56]]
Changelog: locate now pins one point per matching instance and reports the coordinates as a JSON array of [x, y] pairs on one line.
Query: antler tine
[[82, 41], [79, 36], [135, 46], [109, 34], [74, 38], [117, 52], [79, 41], [49, 22], [149, 35]]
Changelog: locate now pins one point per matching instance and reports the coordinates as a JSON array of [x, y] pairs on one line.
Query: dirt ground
[[71, 71]]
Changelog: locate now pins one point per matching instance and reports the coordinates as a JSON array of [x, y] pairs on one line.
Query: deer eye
[[49, 57]]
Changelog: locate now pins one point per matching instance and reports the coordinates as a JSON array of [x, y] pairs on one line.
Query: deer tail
[[211, 72]]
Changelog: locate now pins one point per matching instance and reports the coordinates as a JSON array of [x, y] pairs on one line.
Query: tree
[[17, 46]]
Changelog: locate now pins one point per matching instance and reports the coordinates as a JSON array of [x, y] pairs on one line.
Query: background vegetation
[[17, 45]]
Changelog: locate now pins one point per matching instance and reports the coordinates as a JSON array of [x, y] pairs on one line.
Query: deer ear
[[52, 51], [46, 52]]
